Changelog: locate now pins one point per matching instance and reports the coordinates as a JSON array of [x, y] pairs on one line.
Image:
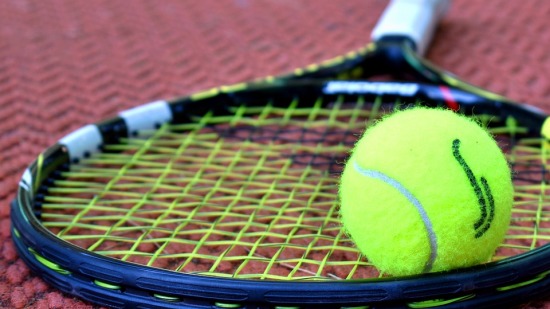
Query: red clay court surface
[[66, 63]]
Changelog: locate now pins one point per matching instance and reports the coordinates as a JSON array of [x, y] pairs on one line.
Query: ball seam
[[432, 237]]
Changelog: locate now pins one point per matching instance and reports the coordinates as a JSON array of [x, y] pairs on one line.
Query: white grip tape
[[146, 117], [82, 142], [415, 19]]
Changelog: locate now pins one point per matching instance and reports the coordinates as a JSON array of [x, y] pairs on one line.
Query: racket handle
[[412, 19]]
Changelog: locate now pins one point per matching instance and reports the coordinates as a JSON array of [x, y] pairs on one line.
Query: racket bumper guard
[[82, 142], [26, 181], [147, 117]]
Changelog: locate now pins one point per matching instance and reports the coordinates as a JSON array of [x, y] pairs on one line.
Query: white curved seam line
[[413, 200]]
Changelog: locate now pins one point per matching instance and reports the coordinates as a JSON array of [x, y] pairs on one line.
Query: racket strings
[[252, 195], [530, 224]]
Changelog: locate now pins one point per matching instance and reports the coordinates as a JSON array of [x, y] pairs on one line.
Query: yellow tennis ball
[[426, 190]]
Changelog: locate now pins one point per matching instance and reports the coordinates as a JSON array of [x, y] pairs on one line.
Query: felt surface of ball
[[426, 190]]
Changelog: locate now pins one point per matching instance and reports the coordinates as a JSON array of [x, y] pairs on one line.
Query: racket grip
[[415, 20]]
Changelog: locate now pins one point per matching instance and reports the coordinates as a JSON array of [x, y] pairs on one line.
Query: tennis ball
[[426, 190]]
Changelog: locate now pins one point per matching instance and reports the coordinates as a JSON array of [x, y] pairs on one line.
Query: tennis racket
[[227, 198]]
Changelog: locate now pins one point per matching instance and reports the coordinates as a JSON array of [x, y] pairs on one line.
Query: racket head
[[309, 127]]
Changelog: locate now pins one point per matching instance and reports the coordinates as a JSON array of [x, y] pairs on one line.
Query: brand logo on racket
[[381, 88]]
